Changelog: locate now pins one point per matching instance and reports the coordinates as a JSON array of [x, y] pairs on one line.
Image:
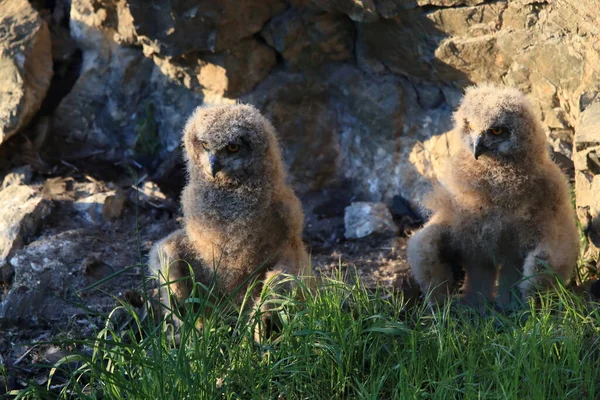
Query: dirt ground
[[101, 263]]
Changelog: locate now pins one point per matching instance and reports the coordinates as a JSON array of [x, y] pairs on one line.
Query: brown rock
[[302, 112], [229, 73], [357, 10], [587, 172], [25, 65], [349, 126], [521, 43], [171, 28], [307, 39]]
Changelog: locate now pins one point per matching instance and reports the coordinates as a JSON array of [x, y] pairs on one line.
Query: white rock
[[363, 219]]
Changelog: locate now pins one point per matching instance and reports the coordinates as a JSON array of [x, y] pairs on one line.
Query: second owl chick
[[502, 211], [242, 222]]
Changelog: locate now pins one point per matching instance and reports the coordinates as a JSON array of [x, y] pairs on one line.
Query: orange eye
[[204, 146], [497, 131], [233, 147], [470, 126]]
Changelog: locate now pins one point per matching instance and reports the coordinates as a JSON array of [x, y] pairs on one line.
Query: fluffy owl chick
[[241, 220], [501, 212]]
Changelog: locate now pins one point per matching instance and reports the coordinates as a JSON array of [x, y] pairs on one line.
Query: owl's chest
[[497, 230], [242, 245]]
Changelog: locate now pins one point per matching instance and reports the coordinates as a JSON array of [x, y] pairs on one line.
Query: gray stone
[[101, 207], [121, 99], [47, 274], [587, 172], [362, 219], [23, 208], [18, 176], [54, 275], [25, 65], [382, 135]]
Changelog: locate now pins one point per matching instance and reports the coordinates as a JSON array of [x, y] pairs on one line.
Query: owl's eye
[[469, 126], [233, 147], [497, 130], [204, 146]]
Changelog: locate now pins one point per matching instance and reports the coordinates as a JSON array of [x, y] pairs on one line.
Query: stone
[[391, 8], [382, 125], [121, 99], [18, 176], [47, 272], [23, 209], [229, 73], [25, 65], [149, 193], [307, 38], [101, 206], [362, 219], [350, 126], [306, 122], [56, 275], [587, 172], [357, 10], [171, 28], [516, 43], [404, 45]]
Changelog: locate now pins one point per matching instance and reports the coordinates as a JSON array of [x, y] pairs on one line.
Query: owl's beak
[[478, 147], [215, 166]]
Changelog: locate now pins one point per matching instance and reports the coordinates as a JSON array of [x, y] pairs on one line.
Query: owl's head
[[498, 122], [230, 145]]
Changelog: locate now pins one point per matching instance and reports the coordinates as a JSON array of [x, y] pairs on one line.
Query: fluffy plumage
[[239, 214], [502, 209]]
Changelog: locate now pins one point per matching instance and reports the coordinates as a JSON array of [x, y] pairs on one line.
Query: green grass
[[343, 342]]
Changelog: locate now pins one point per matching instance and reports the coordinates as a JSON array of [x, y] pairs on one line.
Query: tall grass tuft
[[342, 341]]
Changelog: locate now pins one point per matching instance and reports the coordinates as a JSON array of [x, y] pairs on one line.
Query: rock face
[[25, 65], [587, 171], [359, 91]]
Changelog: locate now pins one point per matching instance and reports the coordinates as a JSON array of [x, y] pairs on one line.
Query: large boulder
[[25, 65], [130, 103], [357, 10], [587, 172], [519, 43], [303, 113], [122, 107], [229, 73], [23, 208], [307, 39], [350, 126], [171, 28]]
